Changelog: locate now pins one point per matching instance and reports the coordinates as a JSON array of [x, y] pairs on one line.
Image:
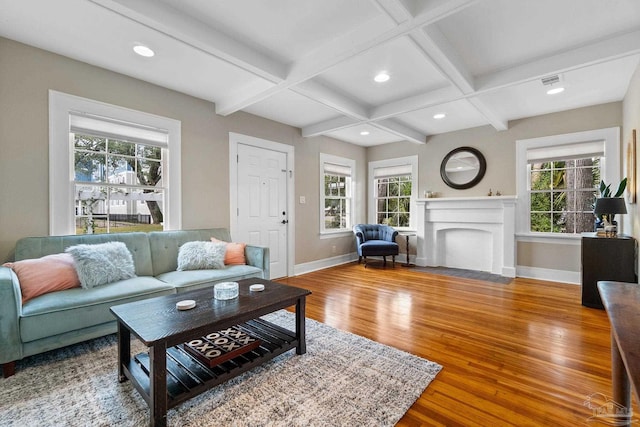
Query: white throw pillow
[[201, 256], [102, 263]]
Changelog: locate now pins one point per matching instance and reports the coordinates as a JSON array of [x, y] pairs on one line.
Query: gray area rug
[[468, 274], [342, 380]]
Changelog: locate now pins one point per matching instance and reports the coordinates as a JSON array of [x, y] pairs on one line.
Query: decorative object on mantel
[[606, 208], [490, 193]]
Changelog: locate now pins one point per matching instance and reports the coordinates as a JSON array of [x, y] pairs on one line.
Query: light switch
[[303, 200]]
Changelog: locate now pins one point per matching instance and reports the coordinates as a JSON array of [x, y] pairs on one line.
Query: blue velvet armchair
[[376, 240]]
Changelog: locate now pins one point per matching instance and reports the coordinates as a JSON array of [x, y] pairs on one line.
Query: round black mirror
[[463, 168]]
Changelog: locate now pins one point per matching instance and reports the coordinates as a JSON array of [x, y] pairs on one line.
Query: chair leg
[[359, 259], [393, 258], [384, 260], [365, 262]]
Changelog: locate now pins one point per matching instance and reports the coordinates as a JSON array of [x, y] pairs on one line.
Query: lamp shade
[[610, 205]]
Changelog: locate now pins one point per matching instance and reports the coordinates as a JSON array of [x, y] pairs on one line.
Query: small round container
[[225, 290], [258, 287]]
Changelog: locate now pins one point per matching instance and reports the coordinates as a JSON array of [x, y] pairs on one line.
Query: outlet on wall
[[303, 200]]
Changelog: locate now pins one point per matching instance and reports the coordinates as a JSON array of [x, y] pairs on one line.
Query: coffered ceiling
[[312, 63]]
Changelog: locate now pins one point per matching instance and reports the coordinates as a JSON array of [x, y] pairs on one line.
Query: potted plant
[[608, 205]]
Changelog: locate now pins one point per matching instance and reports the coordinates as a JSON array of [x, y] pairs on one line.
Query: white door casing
[[261, 186]]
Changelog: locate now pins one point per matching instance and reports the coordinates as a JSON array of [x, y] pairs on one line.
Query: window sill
[[562, 239], [335, 234]]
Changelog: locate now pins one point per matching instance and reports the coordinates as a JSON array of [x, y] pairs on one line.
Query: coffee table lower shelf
[[187, 377]]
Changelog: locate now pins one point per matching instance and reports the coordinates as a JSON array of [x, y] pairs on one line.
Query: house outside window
[[111, 169], [558, 179], [393, 184], [336, 194]]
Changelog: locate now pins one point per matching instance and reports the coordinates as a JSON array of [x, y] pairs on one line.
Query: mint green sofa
[[61, 318]]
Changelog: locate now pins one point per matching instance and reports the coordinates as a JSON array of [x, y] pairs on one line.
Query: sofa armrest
[[258, 256], [10, 310]]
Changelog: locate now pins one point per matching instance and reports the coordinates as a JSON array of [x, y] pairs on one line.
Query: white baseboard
[[308, 267], [563, 276]]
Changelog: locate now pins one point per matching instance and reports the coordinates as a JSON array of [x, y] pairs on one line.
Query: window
[[336, 193], [562, 193], [394, 186], [111, 169], [558, 178]]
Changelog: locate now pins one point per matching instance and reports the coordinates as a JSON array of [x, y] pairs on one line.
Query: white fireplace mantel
[[474, 233]]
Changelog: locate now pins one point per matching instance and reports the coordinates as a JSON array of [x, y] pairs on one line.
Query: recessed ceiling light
[[143, 50], [364, 133], [439, 116], [555, 90], [382, 77]]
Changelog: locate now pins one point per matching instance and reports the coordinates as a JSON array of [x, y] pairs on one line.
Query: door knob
[[284, 221]]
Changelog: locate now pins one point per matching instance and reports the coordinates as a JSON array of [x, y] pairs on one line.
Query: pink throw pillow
[[234, 254], [47, 274]]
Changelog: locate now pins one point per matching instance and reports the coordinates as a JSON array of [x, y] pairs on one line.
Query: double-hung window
[[336, 193], [394, 184], [558, 180], [112, 169]]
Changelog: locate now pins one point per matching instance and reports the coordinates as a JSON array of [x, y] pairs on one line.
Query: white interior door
[[262, 178]]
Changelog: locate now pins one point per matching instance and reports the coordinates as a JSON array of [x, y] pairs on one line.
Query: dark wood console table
[[622, 302]]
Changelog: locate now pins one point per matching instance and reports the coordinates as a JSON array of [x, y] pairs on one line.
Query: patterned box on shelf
[[218, 347]]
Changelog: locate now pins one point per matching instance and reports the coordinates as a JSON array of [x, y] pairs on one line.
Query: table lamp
[[609, 207]]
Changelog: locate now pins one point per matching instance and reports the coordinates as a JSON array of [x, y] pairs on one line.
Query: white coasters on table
[[257, 287], [186, 304]]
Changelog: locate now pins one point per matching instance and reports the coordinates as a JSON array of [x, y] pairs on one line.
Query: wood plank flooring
[[523, 354]]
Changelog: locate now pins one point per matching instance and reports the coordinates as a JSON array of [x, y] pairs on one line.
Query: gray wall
[[27, 74], [499, 149]]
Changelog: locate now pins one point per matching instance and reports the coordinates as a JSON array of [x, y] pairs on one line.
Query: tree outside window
[[118, 185], [336, 202], [393, 200], [562, 194]]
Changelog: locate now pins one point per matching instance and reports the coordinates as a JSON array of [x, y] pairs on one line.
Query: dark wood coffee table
[[168, 375]]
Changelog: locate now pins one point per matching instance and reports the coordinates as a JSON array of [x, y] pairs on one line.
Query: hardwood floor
[[526, 353]]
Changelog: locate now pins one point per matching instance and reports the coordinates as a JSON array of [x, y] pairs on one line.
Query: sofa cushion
[[196, 279], [50, 273], [165, 245], [102, 263], [201, 256], [59, 312], [137, 243], [234, 254], [379, 247]]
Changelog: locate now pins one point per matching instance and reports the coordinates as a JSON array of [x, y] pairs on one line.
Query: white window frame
[[609, 171], [61, 173], [399, 161], [351, 164]]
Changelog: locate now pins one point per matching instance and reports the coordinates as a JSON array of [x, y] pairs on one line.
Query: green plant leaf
[[621, 188]]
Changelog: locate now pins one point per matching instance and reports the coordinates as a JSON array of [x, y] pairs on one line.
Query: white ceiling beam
[[401, 130], [346, 47], [602, 51], [416, 102], [172, 22], [438, 51], [330, 125], [497, 122], [330, 98]]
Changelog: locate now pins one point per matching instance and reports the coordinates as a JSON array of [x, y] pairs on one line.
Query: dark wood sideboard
[[605, 258]]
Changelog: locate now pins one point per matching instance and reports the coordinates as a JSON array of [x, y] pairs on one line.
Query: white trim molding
[[321, 264], [548, 274], [238, 138], [61, 171]]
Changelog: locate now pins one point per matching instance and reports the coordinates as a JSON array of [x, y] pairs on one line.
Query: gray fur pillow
[[201, 256], [102, 263]]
